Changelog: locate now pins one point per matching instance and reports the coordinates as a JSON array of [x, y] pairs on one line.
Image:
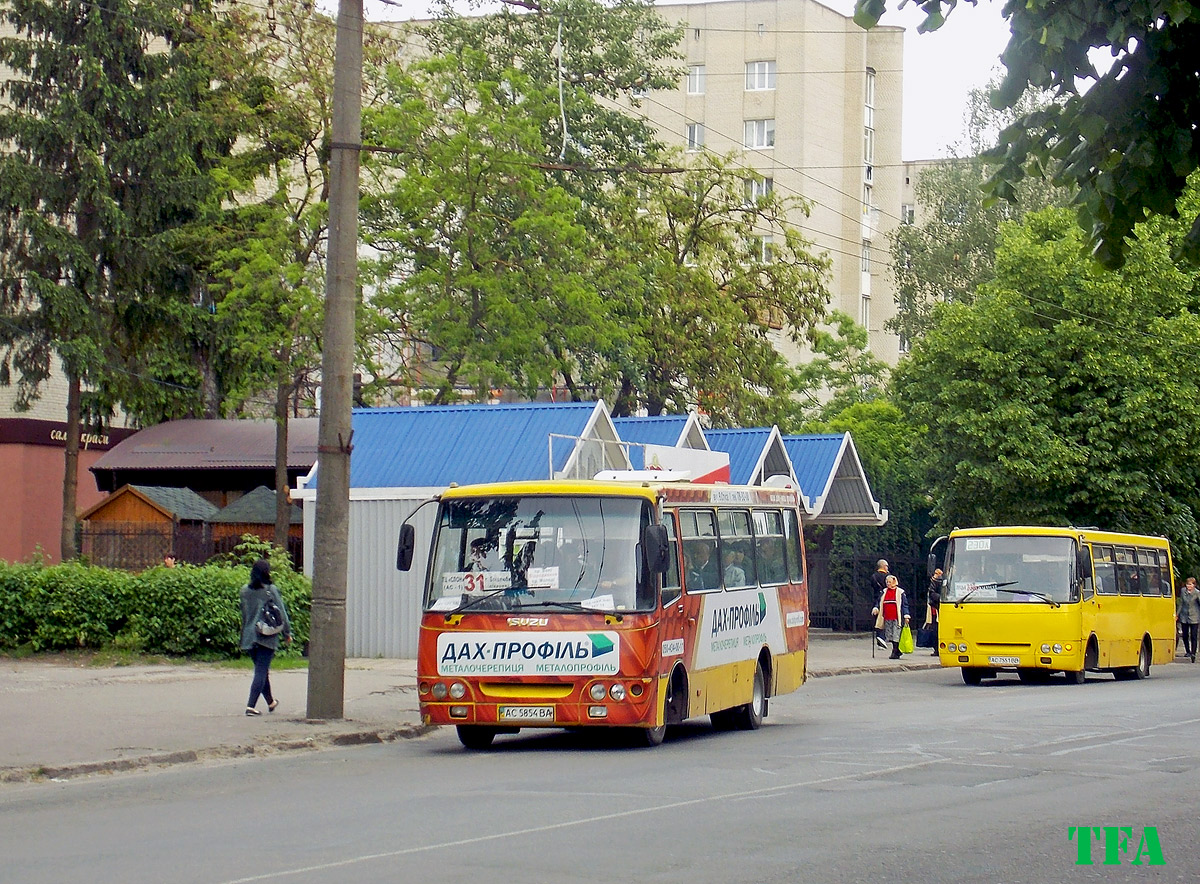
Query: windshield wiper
[[572, 606], [1037, 595], [475, 600], [979, 586]]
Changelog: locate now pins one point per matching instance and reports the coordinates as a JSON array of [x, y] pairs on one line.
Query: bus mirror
[[406, 546], [930, 564], [1083, 562], [657, 549]]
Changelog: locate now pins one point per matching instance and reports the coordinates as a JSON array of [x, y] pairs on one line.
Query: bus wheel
[[1032, 675], [1142, 670], [476, 737], [972, 674], [651, 736], [1076, 677], [749, 716], [723, 720]]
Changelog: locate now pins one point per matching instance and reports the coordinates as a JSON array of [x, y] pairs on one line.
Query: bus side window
[[698, 528], [1105, 567], [1127, 577], [793, 546], [1148, 571], [769, 544], [1164, 572], [737, 549], [671, 587]]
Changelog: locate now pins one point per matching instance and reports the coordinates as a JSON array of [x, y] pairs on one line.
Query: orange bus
[[632, 604]]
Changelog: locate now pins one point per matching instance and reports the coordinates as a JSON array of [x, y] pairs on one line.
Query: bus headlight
[[1046, 648], [458, 690], [439, 691], [617, 692], [597, 691], [1057, 648]]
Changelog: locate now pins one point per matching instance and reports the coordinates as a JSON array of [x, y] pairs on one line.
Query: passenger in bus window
[[702, 570], [1187, 612], [479, 547], [735, 574]]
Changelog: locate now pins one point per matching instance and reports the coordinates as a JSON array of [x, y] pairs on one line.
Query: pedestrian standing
[[1187, 612], [260, 637], [878, 585], [935, 604], [893, 604]]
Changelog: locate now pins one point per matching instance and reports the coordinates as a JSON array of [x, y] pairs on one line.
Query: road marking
[[567, 824]]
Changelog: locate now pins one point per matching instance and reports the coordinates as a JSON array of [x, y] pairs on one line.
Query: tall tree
[[112, 123], [1125, 137], [1064, 394], [950, 249], [711, 278]]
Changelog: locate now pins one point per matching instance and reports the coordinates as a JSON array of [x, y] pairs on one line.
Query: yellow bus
[[1043, 600], [632, 604]]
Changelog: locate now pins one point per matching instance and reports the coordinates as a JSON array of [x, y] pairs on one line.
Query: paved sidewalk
[[59, 720]]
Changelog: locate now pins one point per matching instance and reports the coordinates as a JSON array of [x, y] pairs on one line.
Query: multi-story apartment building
[[812, 103]]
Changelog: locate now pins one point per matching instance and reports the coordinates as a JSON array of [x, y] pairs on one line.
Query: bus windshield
[[555, 553], [1007, 569]]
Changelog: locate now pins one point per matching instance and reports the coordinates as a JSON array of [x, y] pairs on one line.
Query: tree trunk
[[71, 467], [283, 506]]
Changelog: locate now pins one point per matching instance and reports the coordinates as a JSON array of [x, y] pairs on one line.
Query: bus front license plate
[[1005, 661], [527, 713]]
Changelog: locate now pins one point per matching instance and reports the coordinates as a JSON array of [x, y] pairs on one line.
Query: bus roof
[[1094, 535], [671, 492]]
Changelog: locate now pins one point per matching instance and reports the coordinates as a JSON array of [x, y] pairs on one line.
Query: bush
[[182, 611]]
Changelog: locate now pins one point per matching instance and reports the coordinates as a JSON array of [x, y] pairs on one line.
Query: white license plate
[[527, 713], [1005, 661]]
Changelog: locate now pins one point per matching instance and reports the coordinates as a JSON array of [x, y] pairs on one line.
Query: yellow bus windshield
[[1011, 569]]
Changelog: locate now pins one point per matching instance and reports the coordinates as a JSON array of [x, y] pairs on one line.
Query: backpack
[[270, 618]]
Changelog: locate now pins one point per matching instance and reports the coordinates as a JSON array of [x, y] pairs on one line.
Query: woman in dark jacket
[[259, 645]]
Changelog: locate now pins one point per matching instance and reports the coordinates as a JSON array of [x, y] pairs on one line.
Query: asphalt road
[[905, 777]]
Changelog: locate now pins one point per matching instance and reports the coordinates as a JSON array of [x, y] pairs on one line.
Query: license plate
[[527, 713], [1005, 661]]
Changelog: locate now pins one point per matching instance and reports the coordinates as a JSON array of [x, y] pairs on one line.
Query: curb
[[42, 773], [366, 736]]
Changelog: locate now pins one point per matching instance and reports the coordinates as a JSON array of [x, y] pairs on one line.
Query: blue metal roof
[[744, 447], [814, 458], [432, 446], [662, 430]]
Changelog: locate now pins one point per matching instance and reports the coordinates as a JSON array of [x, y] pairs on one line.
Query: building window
[[905, 345], [695, 33], [760, 75], [869, 101], [695, 136], [868, 197], [695, 80], [757, 188], [866, 257], [908, 214], [868, 147], [864, 312], [766, 249], [760, 133]]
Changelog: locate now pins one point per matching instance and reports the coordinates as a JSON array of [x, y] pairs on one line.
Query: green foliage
[[182, 611], [1065, 394], [1127, 140], [842, 372]]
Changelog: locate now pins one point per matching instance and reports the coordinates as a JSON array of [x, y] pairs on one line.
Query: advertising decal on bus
[[546, 653]]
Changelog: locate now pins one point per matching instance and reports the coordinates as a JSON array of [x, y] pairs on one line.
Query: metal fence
[[839, 589], [137, 546]]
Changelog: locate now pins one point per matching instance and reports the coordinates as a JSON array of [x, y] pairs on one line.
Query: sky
[[940, 68]]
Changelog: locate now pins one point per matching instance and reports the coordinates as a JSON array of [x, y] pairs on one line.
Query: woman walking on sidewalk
[[264, 620], [893, 603], [1187, 612]]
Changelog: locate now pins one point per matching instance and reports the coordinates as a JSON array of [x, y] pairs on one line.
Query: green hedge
[[186, 611]]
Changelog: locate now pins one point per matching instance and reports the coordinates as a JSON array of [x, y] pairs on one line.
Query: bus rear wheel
[[476, 737], [1141, 670], [749, 716], [972, 675]]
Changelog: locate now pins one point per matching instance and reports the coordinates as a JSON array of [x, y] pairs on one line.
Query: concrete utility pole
[[327, 643]]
